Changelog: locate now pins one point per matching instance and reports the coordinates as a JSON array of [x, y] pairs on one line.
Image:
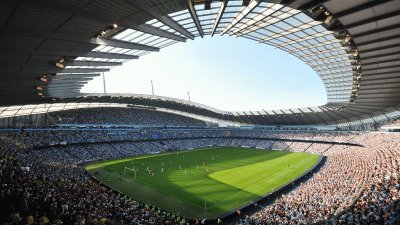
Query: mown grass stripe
[[246, 174]]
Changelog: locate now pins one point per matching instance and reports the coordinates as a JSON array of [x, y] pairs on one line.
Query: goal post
[[130, 169]]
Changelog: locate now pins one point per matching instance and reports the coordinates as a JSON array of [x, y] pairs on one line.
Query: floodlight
[[60, 65], [352, 50], [328, 20], [341, 35], [44, 79]]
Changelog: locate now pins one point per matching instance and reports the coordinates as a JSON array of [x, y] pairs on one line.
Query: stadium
[[71, 157]]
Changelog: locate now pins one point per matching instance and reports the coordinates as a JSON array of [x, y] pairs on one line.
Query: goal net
[[127, 169]]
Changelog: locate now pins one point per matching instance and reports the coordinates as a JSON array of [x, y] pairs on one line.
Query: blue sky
[[225, 72]]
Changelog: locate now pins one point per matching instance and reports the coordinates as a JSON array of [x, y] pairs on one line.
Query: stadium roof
[[51, 48]]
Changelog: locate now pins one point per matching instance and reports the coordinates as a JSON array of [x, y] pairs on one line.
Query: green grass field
[[220, 179]]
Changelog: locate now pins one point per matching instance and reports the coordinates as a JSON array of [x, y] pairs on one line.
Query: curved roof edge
[[319, 115]]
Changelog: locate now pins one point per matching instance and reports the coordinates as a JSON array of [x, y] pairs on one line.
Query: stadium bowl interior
[[50, 131]]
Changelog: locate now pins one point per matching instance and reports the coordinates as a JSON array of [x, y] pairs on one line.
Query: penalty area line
[[165, 192]]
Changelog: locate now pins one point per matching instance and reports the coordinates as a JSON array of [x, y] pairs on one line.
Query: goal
[[127, 169]]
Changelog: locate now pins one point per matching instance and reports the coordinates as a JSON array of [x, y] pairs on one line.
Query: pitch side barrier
[[205, 137]]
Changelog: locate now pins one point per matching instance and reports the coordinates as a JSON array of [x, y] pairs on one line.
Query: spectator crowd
[[43, 182], [131, 116]]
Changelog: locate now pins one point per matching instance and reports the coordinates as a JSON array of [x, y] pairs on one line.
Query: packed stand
[[327, 193], [131, 116], [47, 186], [42, 178], [380, 201]]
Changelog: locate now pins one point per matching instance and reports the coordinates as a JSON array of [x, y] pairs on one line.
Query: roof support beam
[[124, 22], [66, 82], [378, 62], [14, 31], [57, 70], [56, 82], [304, 114], [260, 118], [252, 5], [379, 55], [244, 118], [378, 48], [270, 117], [360, 110], [383, 73], [377, 78], [298, 117], [367, 107], [277, 118], [387, 102], [370, 20], [378, 40], [80, 70], [351, 114], [375, 31], [333, 114], [219, 16], [256, 118], [62, 82], [60, 87], [317, 115], [123, 44], [30, 80], [195, 18], [374, 96], [145, 28], [382, 68], [158, 15], [78, 75], [269, 120], [367, 5], [375, 105], [105, 55], [92, 63], [375, 89], [356, 111], [46, 64], [254, 26], [71, 78], [287, 116]]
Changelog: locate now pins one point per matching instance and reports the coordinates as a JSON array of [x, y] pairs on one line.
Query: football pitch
[[203, 183]]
